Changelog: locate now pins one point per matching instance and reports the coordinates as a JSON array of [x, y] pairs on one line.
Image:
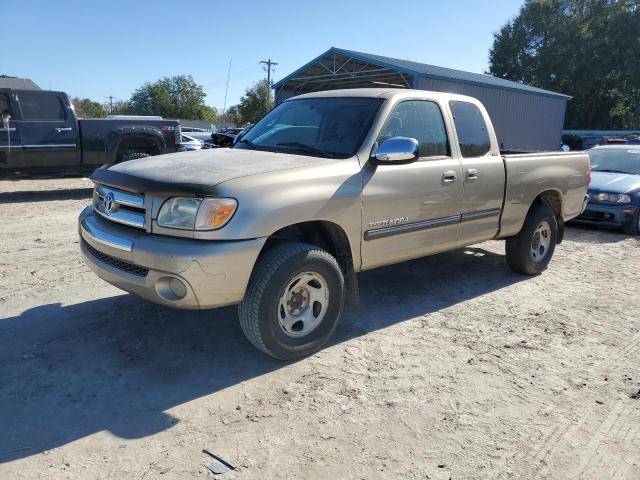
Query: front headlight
[[196, 213], [611, 197]]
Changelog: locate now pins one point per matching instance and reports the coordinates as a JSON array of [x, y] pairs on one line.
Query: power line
[[237, 75]]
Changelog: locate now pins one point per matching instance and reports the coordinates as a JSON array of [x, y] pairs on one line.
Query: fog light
[[171, 288], [178, 288]]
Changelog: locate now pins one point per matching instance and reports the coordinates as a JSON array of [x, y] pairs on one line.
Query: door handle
[[449, 176], [65, 129], [10, 129], [472, 174]]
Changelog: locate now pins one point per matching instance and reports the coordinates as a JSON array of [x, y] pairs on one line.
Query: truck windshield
[[616, 160], [332, 127]]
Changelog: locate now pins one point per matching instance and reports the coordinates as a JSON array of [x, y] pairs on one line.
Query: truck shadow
[[120, 363]]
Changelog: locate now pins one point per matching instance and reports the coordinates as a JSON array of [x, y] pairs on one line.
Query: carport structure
[[338, 69], [525, 117]]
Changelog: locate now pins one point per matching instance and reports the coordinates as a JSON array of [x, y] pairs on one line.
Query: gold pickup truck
[[326, 185]]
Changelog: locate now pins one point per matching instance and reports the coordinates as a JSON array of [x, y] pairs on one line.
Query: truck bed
[[561, 176]]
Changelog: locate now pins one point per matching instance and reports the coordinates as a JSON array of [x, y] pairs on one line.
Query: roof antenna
[[224, 107]]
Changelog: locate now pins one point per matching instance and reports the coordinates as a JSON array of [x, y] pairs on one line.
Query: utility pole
[[110, 97], [269, 64]]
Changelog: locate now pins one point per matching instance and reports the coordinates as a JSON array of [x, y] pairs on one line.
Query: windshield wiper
[[248, 142], [306, 148], [608, 170]]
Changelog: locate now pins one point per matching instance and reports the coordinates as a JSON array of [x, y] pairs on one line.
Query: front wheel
[[633, 227], [530, 251], [293, 302]]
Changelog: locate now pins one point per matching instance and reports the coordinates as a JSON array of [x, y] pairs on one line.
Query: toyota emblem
[[109, 203]]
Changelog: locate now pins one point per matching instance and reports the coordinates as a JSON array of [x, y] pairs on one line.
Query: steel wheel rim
[[541, 241], [303, 304]]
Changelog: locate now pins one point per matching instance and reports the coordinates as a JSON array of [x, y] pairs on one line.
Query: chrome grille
[[119, 206]]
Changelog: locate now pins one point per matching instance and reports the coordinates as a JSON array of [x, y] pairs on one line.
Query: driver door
[[412, 210]]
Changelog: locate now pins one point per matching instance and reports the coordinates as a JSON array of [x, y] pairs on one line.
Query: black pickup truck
[[41, 134]]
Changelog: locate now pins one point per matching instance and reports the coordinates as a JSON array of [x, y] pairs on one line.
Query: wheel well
[[137, 145], [553, 200], [328, 236]]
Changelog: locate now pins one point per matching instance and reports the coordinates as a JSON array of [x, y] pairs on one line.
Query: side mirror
[[397, 150], [5, 121]]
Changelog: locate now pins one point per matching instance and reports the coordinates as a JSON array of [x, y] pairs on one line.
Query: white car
[[189, 144]]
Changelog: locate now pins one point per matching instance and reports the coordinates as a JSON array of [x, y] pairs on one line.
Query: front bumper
[[214, 273], [615, 216]]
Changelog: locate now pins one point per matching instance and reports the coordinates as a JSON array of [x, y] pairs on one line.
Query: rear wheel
[[530, 251], [633, 228], [293, 302]]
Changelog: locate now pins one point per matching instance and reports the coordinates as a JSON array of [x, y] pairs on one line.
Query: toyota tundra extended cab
[[42, 135], [326, 185]]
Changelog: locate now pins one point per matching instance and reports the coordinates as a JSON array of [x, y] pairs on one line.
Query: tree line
[[181, 97], [589, 49]]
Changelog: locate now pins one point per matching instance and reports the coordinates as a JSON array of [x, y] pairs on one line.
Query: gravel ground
[[452, 367]]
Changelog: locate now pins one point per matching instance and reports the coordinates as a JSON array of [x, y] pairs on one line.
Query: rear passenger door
[[483, 173], [48, 129]]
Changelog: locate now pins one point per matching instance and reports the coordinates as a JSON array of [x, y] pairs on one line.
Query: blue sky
[[99, 48]]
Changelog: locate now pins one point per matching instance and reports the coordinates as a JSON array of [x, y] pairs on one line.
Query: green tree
[[86, 108], [255, 103], [589, 49], [120, 107], [172, 97], [232, 115]]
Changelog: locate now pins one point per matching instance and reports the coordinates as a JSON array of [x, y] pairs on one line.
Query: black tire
[[132, 156], [633, 228], [259, 311], [520, 248]]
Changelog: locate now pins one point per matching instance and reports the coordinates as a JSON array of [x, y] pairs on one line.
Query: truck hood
[[201, 170], [614, 182]]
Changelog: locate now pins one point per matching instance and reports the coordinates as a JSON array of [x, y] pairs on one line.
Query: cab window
[[422, 120], [36, 106], [473, 136]]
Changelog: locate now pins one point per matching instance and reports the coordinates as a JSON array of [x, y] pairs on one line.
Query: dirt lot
[[452, 367]]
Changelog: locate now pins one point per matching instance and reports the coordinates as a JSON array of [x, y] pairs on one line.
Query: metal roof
[[425, 70], [17, 83]]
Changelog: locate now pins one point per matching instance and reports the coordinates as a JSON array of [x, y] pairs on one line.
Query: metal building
[[7, 81], [525, 117]]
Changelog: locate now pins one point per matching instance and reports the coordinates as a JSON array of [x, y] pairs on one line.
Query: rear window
[[41, 107], [473, 136]]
